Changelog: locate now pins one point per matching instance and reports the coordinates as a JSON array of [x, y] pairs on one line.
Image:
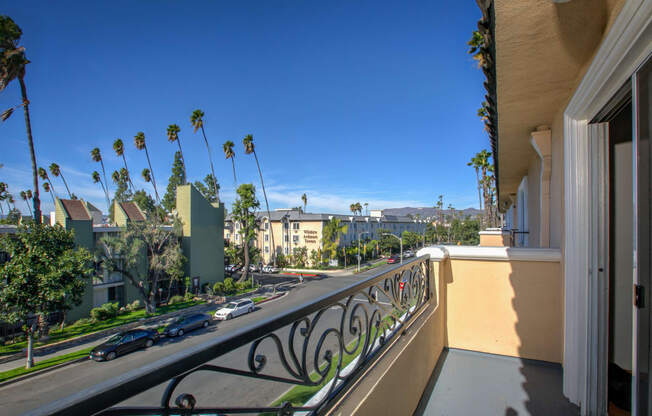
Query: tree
[[177, 178], [477, 47], [475, 162], [387, 243], [207, 188], [173, 136], [304, 199], [244, 213], [139, 141], [366, 208], [96, 179], [12, 66], [332, 231], [300, 256], [56, 171], [119, 149], [97, 157], [353, 208], [315, 258], [124, 254], [440, 205], [46, 188], [197, 122], [122, 193], [26, 196], [410, 239], [250, 148], [145, 201], [43, 174], [45, 273], [230, 154]]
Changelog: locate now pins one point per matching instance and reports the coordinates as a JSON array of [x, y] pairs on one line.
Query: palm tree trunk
[[152, 172], [28, 126], [133, 189], [2, 211], [185, 176], [65, 184], [477, 175], [210, 160], [51, 186], [269, 215], [29, 209], [53, 201], [233, 164], [245, 267], [106, 187]]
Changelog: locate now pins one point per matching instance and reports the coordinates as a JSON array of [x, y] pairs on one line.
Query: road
[[32, 393]]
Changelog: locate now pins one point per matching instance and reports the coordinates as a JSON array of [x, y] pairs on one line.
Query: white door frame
[[625, 47]]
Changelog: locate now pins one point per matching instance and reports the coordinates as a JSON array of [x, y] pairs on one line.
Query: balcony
[[458, 330]]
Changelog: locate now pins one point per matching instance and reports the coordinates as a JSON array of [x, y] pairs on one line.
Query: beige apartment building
[[293, 228]]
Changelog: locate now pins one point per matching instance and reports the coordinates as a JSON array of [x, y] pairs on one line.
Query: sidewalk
[[345, 270]]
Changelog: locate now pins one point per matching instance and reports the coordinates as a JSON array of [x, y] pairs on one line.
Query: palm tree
[[475, 162], [250, 148], [96, 179], [146, 174], [46, 188], [12, 66], [119, 149], [139, 141], [97, 157], [25, 196], [3, 195], [358, 208], [230, 154], [173, 136], [197, 122], [56, 171], [43, 174], [366, 208], [304, 199]]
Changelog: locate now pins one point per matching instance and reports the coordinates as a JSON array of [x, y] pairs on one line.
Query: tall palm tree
[[25, 196], [119, 149], [139, 141], [173, 136], [475, 162], [56, 171], [46, 188], [96, 179], [97, 157], [3, 195], [250, 148], [43, 174], [12, 66], [358, 208], [366, 208], [353, 208], [197, 122], [147, 175], [230, 154], [304, 199]]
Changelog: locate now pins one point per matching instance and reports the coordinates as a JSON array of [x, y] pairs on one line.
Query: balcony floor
[[473, 383]]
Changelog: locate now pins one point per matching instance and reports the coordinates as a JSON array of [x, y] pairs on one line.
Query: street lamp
[[400, 240]]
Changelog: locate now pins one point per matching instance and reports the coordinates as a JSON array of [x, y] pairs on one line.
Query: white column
[[541, 141]]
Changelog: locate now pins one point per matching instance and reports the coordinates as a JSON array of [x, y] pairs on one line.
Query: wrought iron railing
[[370, 316]]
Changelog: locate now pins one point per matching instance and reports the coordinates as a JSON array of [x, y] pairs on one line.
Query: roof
[[296, 215], [75, 209], [132, 211]]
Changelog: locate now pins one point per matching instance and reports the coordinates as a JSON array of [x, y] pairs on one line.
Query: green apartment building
[[202, 243]]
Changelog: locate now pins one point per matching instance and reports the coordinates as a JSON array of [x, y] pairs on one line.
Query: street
[[208, 388]]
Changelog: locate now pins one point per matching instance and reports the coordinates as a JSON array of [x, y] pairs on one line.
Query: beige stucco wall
[[506, 307], [495, 240], [534, 202], [403, 373]]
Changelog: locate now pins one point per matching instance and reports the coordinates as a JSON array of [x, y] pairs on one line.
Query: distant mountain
[[430, 212]]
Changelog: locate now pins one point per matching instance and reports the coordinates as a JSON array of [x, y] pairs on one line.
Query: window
[[266, 237], [286, 225], [237, 226], [266, 249], [295, 225], [285, 238], [111, 296], [295, 238], [267, 226], [287, 251]]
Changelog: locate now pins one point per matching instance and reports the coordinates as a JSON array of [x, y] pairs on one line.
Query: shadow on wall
[[541, 381]]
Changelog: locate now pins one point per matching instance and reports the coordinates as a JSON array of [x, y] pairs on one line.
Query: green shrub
[[176, 299], [111, 309], [83, 321], [229, 286], [134, 305], [189, 296], [98, 314], [123, 310], [218, 289]]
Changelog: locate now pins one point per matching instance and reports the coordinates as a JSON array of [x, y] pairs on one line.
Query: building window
[[267, 226], [266, 249], [266, 237], [287, 251], [295, 225], [295, 239], [285, 238]]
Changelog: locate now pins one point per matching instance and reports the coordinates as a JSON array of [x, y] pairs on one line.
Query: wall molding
[[439, 253]]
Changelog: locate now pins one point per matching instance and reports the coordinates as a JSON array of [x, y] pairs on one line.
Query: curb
[[39, 372], [272, 298]]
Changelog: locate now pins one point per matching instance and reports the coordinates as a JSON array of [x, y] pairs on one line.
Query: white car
[[270, 269], [233, 309]]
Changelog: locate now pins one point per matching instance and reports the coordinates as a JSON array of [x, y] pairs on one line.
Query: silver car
[[235, 308], [186, 323]]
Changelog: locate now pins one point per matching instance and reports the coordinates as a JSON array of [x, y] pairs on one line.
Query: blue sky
[[348, 101]]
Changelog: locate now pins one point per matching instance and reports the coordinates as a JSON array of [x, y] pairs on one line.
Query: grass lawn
[[373, 266], [40, 365], [76, 330]]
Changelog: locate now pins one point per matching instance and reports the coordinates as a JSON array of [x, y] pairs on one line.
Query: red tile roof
[[132, 211], [75, 209]]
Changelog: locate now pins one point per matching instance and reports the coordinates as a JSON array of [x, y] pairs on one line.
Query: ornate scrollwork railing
[[354, 324]]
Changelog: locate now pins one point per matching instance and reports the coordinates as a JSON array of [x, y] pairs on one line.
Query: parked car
[[270, 269], [393, 259], [231, 268], [233, 309], [253, 268], [407, 254], [123, 343], [186, 323]]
